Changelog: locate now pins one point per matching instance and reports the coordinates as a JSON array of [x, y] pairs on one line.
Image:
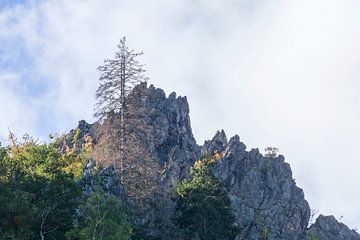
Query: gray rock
[[218, 144], [265, 200], [328, 228], [173, 145], [105, 179]]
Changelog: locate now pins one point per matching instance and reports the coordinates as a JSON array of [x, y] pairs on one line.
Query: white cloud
[[281, 73], [13, 108]]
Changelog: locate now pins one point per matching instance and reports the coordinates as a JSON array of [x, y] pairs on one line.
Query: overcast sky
[[282, 73]]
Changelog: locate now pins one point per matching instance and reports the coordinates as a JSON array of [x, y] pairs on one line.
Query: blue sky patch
[[15, 58], [4, 4]]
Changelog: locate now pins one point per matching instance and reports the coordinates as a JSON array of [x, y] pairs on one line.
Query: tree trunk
[[122, 123], [42, 237]]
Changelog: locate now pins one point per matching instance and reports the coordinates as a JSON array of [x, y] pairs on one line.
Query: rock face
[[105, 177], [328, 228], [265, 199], [173, 145]]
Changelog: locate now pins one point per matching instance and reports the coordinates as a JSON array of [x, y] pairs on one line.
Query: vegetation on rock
[[203, 207]]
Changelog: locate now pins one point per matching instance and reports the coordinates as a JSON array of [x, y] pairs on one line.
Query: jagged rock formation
[[265, 199], [174, 145], [170, 142], [328, 228]]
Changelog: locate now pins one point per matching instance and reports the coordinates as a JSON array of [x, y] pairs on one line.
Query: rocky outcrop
[[169, 139], [265, 199], [173, 145], [328, 228], [106, 178], [75, 139]]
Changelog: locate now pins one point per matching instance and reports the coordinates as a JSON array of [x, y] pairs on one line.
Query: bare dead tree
[[44, 215], [271, 152], [13, 142], [118, 77], [142, 169], [138, 169], [98, 220], [125, 134]]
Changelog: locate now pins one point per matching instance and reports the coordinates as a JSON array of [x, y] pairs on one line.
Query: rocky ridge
[[265, 199], [328, 228]]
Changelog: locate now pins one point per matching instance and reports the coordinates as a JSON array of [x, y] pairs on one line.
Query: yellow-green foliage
[[35, 183], [44, 160], [76, 136], [74, 162], [208, 161]]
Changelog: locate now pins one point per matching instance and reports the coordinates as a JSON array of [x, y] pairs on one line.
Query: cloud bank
[[278, 73]]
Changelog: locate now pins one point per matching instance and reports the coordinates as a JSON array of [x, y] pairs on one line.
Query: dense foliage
[[203, 206], [102, 216], [40, 196]]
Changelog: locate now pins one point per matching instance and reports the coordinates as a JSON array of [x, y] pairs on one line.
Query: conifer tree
[[118, 77], [125, 134]]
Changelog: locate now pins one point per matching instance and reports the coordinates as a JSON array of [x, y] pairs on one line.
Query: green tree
[[103, 216], [38, 199], [203, 206]]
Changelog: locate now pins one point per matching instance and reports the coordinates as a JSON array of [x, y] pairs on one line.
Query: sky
[[283, 73]]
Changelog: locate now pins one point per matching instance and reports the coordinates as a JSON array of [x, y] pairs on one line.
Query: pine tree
[[118, 77]]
